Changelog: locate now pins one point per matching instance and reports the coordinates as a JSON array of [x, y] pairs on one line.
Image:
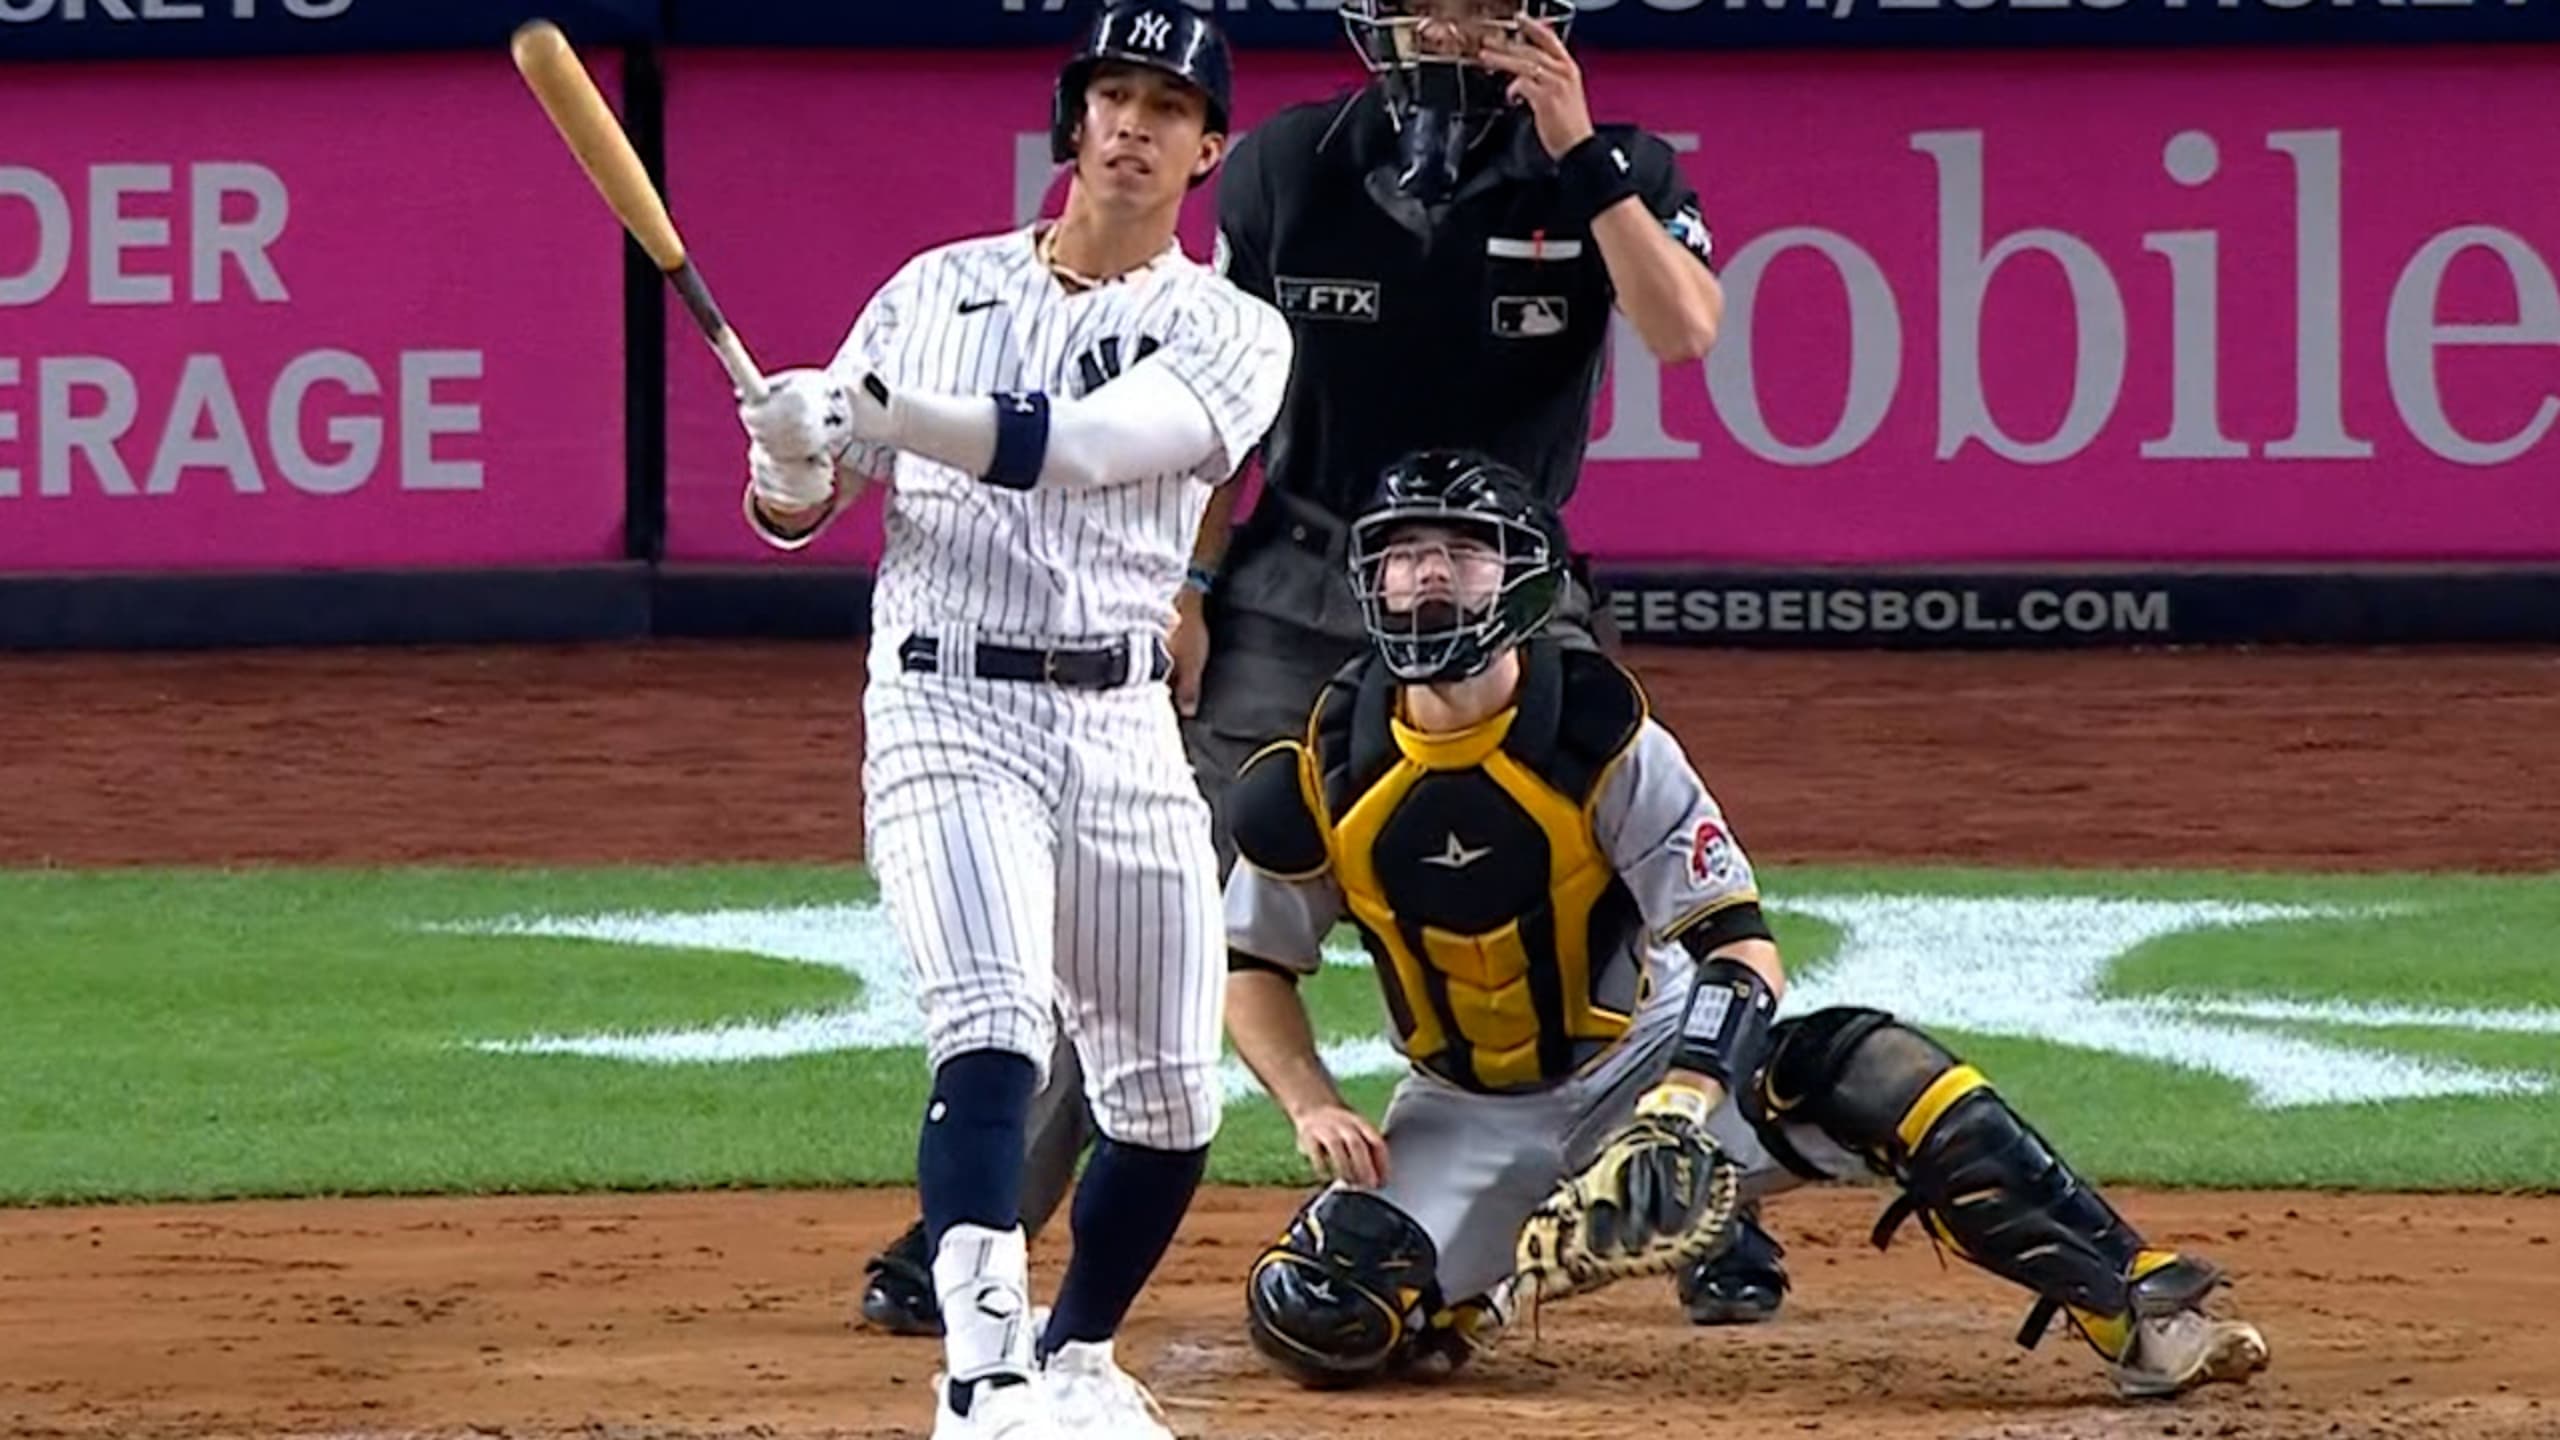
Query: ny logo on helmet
[[1152, 29]]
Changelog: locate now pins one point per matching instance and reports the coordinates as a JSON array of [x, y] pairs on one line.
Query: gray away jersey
[[1655, 819], [984, 316]]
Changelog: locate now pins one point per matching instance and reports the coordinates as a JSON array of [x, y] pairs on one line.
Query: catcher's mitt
[[1659, 1195]]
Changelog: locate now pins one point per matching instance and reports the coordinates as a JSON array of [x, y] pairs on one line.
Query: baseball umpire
[[1570, 942], [1448, 243]]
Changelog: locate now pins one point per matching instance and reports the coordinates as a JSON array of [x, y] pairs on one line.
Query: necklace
[[1045, 249], [1074, 280]]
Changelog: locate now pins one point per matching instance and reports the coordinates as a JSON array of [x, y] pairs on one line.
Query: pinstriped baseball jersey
[[1043, 851], [985, 316]]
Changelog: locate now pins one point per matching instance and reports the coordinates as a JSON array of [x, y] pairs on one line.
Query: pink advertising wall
[[2050, 307], [286, 314]]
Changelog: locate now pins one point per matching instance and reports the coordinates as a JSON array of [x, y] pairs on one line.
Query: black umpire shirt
[[1485, 326]]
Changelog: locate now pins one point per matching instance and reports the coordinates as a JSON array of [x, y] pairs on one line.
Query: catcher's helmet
[[1158, 34], [1480, 496], [1341, 1298]]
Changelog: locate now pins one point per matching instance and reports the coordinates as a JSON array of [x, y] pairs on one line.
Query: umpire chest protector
[[1510, 300], [1501, 933]]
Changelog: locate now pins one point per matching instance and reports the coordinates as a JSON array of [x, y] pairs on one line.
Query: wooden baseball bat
[[577, 109]]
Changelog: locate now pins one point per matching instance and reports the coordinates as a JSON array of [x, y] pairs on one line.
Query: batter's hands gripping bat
[[576, 108]]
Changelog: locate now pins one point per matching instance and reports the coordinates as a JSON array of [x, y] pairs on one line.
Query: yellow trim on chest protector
[[1491, 1004]]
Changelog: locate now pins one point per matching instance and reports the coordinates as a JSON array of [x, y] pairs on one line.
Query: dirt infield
[[726, 1314]]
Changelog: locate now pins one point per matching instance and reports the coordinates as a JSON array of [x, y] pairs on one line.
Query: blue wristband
[[1022, 440], [1202, 578]]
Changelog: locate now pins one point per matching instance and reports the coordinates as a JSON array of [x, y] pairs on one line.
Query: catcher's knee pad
[[1982, 1180], [1344, 1295]]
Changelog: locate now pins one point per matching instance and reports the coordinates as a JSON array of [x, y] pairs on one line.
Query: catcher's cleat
[[1743, 1286], [2167, 1344], [1449, 1339], [897, 1293]]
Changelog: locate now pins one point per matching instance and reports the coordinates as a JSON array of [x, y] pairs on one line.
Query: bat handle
[[740, 365], [715, 328]]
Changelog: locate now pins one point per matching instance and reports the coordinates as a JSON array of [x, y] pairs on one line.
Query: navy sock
[[1128, 1205], [969, 1156]]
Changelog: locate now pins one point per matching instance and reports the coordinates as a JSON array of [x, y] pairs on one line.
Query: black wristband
[[1239, 961], [1726, 1035], [1742, 921], [1593, 176], [1022, 440]]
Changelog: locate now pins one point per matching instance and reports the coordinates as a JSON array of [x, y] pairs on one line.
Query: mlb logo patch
[[1529, 317]]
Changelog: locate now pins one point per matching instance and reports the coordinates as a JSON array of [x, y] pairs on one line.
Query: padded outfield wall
[[2137, 323]]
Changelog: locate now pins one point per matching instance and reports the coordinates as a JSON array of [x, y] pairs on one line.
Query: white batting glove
[[805, 415], [874, 418], [790, 485]]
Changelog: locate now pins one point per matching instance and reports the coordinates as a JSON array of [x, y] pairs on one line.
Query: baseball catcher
[[1569, 940]]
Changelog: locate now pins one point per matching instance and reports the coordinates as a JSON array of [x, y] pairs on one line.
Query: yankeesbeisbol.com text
[[1886, 609]]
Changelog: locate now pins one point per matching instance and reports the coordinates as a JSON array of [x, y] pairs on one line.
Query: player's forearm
[[1674, 302], [1144, 425], [1267, 1020], [1758, 956], [1726, 1034], [1217, 525]]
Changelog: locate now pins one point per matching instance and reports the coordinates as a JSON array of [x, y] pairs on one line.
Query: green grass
[[207, 1035], [203, 1034]]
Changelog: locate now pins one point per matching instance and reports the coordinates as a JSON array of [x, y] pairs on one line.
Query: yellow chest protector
[[1469, 864]]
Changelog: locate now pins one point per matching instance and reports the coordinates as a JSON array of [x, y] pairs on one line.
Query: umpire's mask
[[1455, 562], [1423, 53]]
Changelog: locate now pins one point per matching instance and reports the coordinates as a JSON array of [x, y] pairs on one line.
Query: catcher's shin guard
[[1346, 1295], [1985, 1183]]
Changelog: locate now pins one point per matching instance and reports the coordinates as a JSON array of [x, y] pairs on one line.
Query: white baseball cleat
[[2168, 1344], [996, 1412], [2175, 1353], [1089, 1395]]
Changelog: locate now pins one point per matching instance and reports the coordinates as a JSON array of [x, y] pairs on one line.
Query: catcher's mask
[[1458, 513], [1443, 102], [1339, 1299]]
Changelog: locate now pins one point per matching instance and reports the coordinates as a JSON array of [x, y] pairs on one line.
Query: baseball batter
[[1050, 409], [1569, 939], [1461, 205]]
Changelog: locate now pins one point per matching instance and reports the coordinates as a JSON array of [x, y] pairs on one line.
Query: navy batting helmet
[[1158, 34]]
